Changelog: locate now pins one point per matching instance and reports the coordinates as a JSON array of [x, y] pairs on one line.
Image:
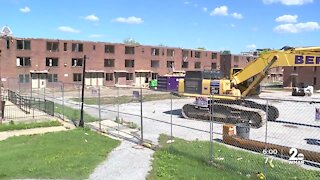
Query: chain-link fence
[[288, 137], [24, 108], [277, 144], [272, 138], [24, 104]]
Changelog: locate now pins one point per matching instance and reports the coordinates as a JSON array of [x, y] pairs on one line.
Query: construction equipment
[[302, 90], [225, 97]]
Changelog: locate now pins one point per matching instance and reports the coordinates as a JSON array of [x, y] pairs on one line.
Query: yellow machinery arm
[[228, 94], [287, 56]]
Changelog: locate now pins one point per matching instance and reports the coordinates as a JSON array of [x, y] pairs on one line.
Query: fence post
[[29, 104], [79, 96], [99, 105], [171, 138], [45, 106], [1, 103], [32, 102], [52, 108], [19, 100], [19, 87], [62, 87], [33, 106], [211, 128], [44, 93], [53, 92], [23, 105], [118, 117], [141, 110], [266, 138]]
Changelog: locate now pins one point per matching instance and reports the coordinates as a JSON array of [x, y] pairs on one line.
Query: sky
[[235, 25]]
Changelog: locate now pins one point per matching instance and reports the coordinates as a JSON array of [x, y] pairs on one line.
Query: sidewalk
[[6, 134], [127, 161], [64, 127]]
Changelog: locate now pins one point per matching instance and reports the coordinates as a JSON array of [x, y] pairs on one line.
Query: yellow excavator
[[226, 97]]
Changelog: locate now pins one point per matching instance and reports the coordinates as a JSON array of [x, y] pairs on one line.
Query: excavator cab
[[197, 83], [203, 83]]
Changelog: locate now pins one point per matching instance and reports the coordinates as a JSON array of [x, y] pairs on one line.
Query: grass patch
[[73, 114], [132, 125], [189, 160], [125, 99], [19, 126], [61, 155], [119, 120]]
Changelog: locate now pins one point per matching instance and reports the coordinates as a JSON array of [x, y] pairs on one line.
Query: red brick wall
[[95, 59], [229, 61], [304, 75]]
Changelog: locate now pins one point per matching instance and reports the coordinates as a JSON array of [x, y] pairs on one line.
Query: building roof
[[114, 43]]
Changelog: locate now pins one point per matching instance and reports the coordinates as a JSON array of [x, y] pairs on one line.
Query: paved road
[[295, 125]]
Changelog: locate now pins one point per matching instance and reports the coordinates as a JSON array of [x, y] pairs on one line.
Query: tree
[[131, 41], [225, 52], [201, 48]]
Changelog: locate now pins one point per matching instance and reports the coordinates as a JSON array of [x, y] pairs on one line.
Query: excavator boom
[[288, 56], [227, 96]]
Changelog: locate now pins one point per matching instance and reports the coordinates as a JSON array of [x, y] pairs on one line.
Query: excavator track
[[273, 112], [232, 112]]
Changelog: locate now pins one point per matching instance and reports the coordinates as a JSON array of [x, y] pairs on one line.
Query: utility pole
[[81, 122]]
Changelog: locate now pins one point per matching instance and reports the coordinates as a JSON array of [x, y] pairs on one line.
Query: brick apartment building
[[228, 61], [293, 76], [42, 62]]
